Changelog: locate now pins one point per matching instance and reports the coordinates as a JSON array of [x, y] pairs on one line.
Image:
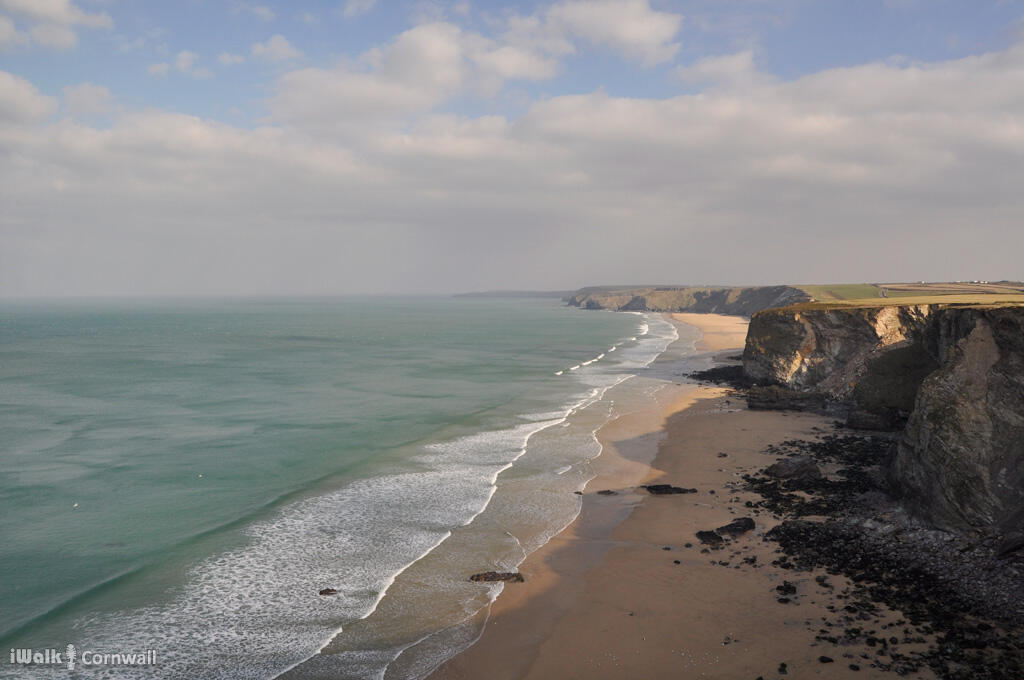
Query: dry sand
[[606, 598]]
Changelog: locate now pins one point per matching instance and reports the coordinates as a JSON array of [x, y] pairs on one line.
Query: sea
[[180, 479]]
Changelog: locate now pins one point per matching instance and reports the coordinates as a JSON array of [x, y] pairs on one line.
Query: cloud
[[276, 48], [86, 99], [415, 73], [185, 60], [878, 171], [53, 21], [21, 102], [727, 70], [59, 12], [260, 11], [54, 36], [631, 27], [228, 59], [10, 36], [355, 8]]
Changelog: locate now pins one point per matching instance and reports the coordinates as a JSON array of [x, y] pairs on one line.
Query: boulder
[[737, 527], [802, 468], [490, 576], [666, 489]]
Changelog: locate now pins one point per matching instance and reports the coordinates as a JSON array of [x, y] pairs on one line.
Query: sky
[[230, 147]]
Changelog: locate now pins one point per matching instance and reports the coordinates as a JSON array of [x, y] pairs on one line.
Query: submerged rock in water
[[328, 591], [488, 576]]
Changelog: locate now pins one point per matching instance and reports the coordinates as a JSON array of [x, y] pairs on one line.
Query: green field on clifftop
[[984, 300]]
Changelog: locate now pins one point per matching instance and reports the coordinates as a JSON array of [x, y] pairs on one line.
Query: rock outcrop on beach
[[709, 300], [826, 348], [950, 376]]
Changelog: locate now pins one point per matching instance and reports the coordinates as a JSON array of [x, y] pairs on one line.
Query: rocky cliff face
[[735, 301], [960, 460], [954, 374], [826, 348]]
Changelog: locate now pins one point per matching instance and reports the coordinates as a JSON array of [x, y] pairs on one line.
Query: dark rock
[[328, 591], [1011, 543], [798, 467], [775, 398], [512, 576], [737, 527], [709, 538], [607, 492], [826, 659], [732, 376], [786, 588], [666, 489]]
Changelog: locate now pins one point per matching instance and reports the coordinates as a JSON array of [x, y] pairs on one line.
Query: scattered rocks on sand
[[328, 591], [488, 576], [960, 594], [666, 489]]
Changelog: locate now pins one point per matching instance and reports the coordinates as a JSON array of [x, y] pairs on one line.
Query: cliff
[[952, 373], [709, 300], [960, 460]]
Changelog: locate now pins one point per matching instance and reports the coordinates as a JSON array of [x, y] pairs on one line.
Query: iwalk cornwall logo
[[72, 658]]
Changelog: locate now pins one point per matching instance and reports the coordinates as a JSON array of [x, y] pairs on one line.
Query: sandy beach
[[627, 591]]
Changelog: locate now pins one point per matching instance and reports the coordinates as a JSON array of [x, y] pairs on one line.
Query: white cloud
[[509, 61], [61, 12], [228, 59], [10, 36], [871, 172], [86, 99], [54, 22], [629, 26], [276, 48], [21, 102], [727, 70], [355, 8], [263, 12], [260, 11], [158, 70], [185, 60], [415, 73], [54, 36]]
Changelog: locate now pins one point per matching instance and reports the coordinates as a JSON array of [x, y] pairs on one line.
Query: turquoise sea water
[[184, 476]]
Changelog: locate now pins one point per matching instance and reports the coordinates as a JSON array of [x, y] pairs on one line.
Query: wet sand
[[621, 594]]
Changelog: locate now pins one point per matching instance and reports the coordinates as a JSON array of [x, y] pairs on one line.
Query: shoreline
[[627, 590]]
